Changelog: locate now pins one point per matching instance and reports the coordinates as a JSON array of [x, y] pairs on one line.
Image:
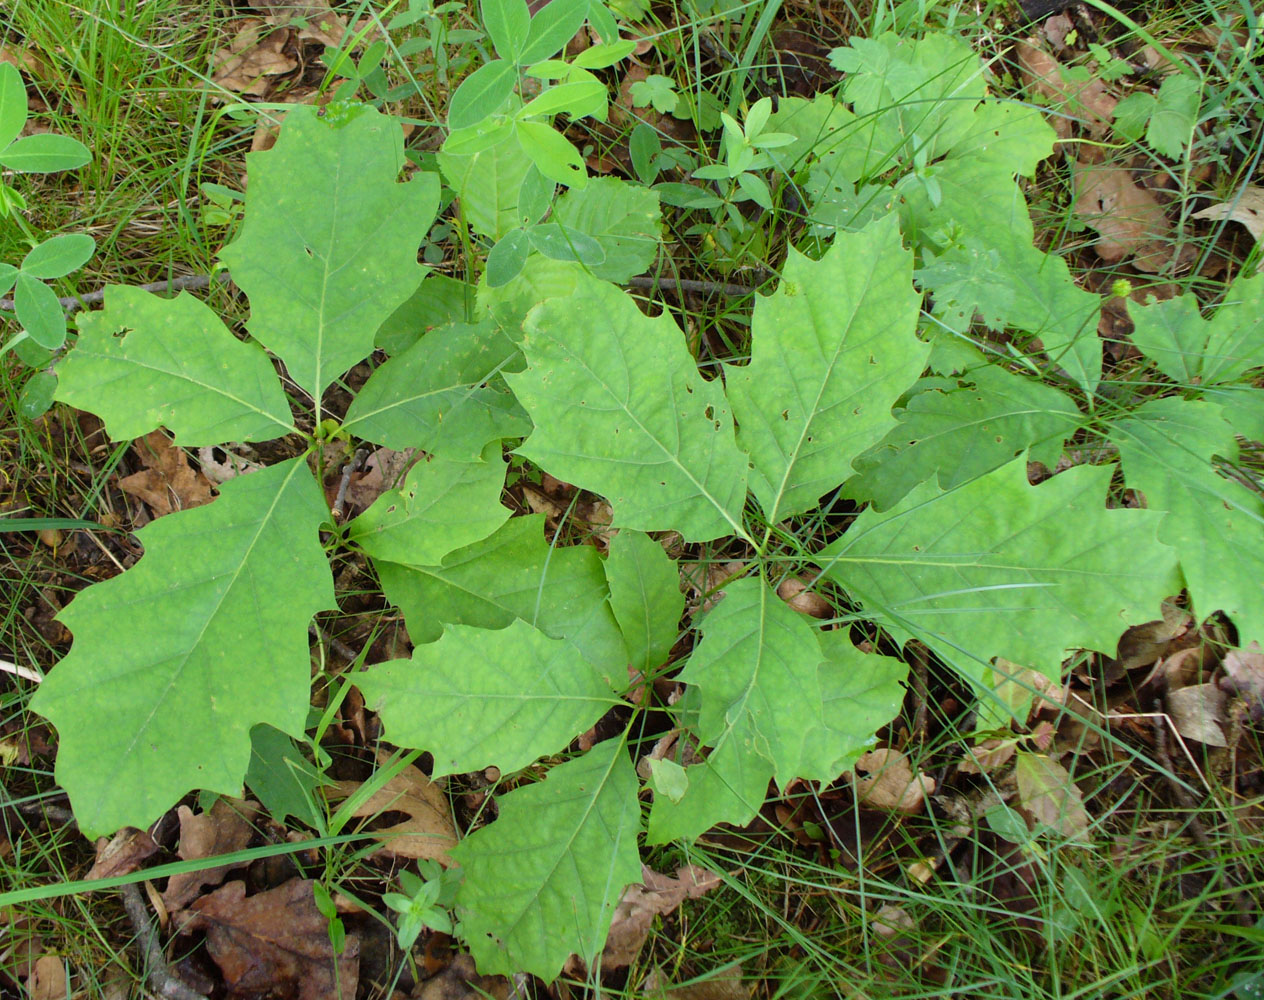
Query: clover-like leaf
[[328, 249], [619, 408], [542, 881], [175, 660], [144, 361]]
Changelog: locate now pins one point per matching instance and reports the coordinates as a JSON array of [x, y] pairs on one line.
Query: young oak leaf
[[204, 638], [328, 249], [542, 881], [998, 567], [620, 409], [645, 597], [832, 349], [144, 361]]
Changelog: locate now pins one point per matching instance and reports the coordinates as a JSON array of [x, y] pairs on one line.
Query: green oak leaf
[[143, 361], [488, 184], [438, 301], [542, 881], [624, 220], [281, 777], [1214, 524], [986, 418], [861, 693], [1194, 351], [645, 597], [831, 352], [441, 506], [530, 695], [620, 409], [443, 394], [328, 248], [200, 641], [513, 573], [998, 567]]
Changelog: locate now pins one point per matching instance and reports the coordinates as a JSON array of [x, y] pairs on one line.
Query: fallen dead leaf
[[123, 853], [275, 942], [24, 60], [382, 470], [1070, 99], [203, 835], [459, 980], [48, 979], [706, 579], [232, 466], [313, 21], [1244, 675], [1142, 645], [1197, 712], [426, 832], [1128, 218], [987, 757], [794, 591], [890, 784], [726, 984], [1247, 208], [256, 53], [657, 895], [891, 921], [167, 482], [1025, 691], [1048, 796]]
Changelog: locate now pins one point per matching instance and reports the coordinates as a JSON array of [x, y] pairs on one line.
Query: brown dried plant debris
[[426, 829], [656, 896], [226, 828], [167, 482], [1129, 219]]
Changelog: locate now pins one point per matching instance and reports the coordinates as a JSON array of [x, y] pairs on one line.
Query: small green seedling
[[424, 902]]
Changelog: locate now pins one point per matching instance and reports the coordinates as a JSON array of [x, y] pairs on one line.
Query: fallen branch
[[160, 977], [188, 282]]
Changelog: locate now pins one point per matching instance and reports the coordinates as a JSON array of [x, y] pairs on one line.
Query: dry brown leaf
[[256, 53], [167, 482], [225, 828], [658, 895], [987, 757], [24, 60], [1197, 712], [382, 470], [1142, 645], [1025, 691], [122, 853], [426, 832], [726, 984], [794, 591], [1047, 795], [313, 21], [459, 980], [1247, 208], [1085, 99], [1128, 218], [48, 979], [707, 579], [1244, 675], [890, 784], [274, 943]]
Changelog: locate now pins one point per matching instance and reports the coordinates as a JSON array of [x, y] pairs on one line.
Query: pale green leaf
[[832, 350], [998, 567], [488, 184], [143, 362], [507, 23], [45, 153], [645, 597], [438, 301], [861, 693], [1172, 124], [1011, 135], [482, 94], [328, 249], [1215, 525], [541, 883], [529, 694], [12, 104], [39, 312], [513, 573], [215, 617], [553, 25], [621, 217], [442, 395], [442, 505], [552, 153], [620, 409], [982, 420], [58, 256]]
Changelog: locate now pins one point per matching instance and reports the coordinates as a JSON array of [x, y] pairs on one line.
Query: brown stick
[[160, 977], [188, 282], [689, 285]]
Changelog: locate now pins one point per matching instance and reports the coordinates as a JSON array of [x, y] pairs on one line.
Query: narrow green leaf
[[552, 27], [832, 350], [506, 259], [562, 243], [620, 409], [551, 153], [39, 312], [530, 694], [328, 249], [58, 256], [998, 567], [645, 597], [507, 23], [442, 395], [221, 599], [622, 218], [441, 506], [142, 362], [565, 98], [541, 883], [12, 104], [45, 153], [482, 93], [1215, 525]]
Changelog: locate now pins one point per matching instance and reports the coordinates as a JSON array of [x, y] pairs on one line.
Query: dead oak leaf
[[657, 895], [275, 943], [1047, 796], [1244, 674], [123, 853], [890, 784], [1246, 208], [167, 482], [459, 980], [1128, 218], [224, 829], [256, 53], [426, 831], [1070, 96], [1198, 712]]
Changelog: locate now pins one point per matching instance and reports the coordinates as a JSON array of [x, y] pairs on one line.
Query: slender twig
[[18, 670], [188, 282], [161, 979], [689, 285], [340, 502], [337, 645]]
